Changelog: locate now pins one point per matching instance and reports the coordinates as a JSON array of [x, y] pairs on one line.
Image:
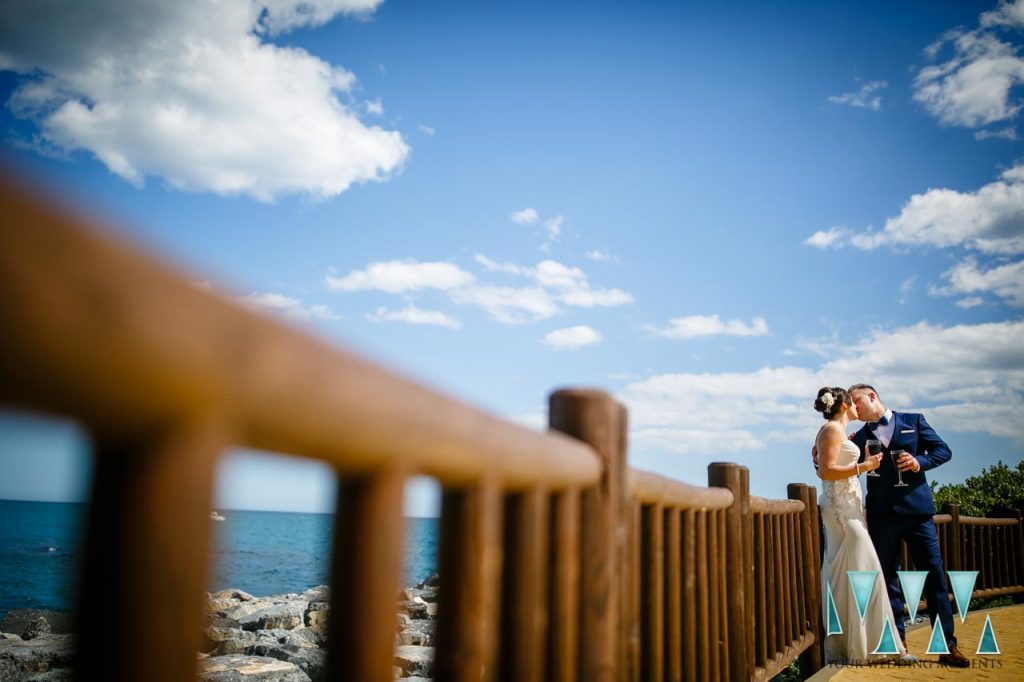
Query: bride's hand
[[872, 462]]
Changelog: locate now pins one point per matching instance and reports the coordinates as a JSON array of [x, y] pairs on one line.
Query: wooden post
[[691, 624], [723, 603], [810, 659], [716, 570], [704, 603], [365, 576], [469, 563], [148, 542], [739, 567], [524, 612], [760, 602], [673, 596], [595, 418], [630, 624], [563, 594], [652, 581], [630, 522], [952, 560], [1017, 554]]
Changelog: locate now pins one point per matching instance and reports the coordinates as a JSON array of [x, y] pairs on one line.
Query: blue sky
[[708, 209]]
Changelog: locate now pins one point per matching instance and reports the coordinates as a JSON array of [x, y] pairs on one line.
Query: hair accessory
[[827, 399]]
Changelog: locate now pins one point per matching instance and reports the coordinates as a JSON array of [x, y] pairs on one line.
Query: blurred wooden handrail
[[765, 506], [98, 332], [982, 521], [650, 488]]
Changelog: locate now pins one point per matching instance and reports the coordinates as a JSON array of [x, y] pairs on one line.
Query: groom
[[897, 513]]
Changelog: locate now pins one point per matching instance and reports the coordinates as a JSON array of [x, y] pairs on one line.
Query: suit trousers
[[923, 544]]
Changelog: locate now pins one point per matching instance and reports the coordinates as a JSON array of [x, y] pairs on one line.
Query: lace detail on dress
[[843, 498]]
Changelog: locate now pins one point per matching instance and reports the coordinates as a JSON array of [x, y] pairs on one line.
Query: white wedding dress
[[848, 547]]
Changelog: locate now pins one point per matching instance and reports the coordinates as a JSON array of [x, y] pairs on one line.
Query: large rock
[[245, 609], [227, 599], [417, 633], [16, 620], [312, 661], [316, 614], [37, 628], [233, 642], [238, 668], [415, 660], [286, 616], [40, 654]]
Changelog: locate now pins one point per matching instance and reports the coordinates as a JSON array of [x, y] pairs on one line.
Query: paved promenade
[[1008, 624]]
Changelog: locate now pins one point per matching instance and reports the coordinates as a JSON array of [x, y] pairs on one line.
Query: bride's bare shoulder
[[830, 431]]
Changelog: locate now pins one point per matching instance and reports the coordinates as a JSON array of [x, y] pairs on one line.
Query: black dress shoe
[[954, 658]]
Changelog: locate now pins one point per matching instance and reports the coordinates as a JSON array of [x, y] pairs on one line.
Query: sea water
[[260, 552]]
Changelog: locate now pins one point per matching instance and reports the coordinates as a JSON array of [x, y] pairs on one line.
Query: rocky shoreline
[[279, 638]]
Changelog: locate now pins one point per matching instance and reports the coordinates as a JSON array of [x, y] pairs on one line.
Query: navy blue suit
[[896, 513]]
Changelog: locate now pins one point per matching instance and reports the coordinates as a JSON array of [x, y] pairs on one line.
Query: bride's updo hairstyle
[[830, 401]]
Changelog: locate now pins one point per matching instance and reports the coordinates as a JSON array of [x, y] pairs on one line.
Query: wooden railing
[[992, 546], [557, 561]]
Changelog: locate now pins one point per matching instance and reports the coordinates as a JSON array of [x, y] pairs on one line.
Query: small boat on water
[[214, 516]]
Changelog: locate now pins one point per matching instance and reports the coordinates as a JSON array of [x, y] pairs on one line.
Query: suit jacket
[[913, 434]]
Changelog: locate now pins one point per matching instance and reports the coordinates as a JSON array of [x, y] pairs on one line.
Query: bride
[[848, 546]]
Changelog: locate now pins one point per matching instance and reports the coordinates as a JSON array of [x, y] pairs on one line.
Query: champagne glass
[[895, 457], [874, 447]]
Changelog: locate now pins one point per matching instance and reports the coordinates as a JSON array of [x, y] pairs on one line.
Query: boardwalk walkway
[[1008, 625]]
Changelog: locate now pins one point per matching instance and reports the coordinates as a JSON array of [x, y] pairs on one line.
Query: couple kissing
[[893, 450]]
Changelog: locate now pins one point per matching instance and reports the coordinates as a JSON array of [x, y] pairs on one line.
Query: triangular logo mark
[[834, 627], [887, 641], [988, 643], [912, 583], [937, 644], [863, 585], [963, 586]]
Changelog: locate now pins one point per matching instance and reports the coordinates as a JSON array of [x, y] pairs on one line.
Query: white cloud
[[865, 98], [509, 305], [410, 314], [573, 337], [990, 220], [193, 92], [399, 276], [375, 107], [1004, 134], [970, 302], [825, 239], [977, 85], [285, 15], [1005, 14], [553, 226], [527, 216], [288, 306], [966, 378], [698, 326], [426, 130], [568, 285], [596, 255], [1005, 281], [549, 286]]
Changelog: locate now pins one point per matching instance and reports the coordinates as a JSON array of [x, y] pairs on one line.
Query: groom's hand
[[908, 462]]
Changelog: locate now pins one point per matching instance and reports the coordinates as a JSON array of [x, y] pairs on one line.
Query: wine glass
[[895, 454], [874, 447]]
